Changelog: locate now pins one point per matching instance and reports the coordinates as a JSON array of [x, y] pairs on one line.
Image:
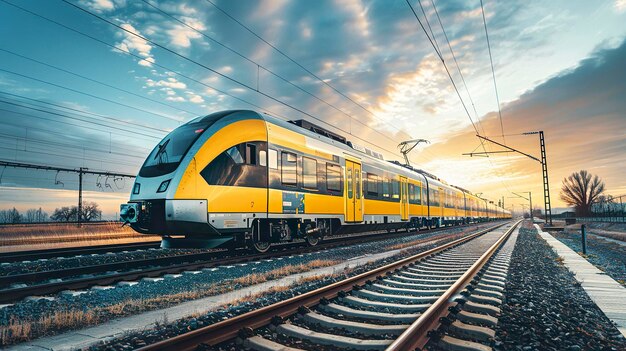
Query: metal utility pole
[[408, 146], [544, 167], [81, 171], [530, 200], [544, 170], [80, 195]]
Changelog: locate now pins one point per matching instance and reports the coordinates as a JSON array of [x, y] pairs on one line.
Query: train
[[241, 178]]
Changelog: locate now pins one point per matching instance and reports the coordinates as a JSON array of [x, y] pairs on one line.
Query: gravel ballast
[[59, 263], [546, 308]]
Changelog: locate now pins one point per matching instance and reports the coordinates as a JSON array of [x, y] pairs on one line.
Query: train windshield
[[167, 155]]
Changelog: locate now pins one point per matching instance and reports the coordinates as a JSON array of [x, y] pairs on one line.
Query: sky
[[79, 89]]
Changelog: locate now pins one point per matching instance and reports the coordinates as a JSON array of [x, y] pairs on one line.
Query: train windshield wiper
[[161, 148]]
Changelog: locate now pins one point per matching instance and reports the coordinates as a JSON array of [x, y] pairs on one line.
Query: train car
[[241, 178]]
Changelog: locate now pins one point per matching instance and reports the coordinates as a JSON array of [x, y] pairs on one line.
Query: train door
[[404, 199], [354, 192]]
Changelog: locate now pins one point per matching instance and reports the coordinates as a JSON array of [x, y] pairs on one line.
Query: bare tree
[[11, 216], [64, 214], [91, 211], [35, 215], [580, 190]]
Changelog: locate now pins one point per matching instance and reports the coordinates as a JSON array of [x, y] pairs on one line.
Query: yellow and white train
[[242, 178]]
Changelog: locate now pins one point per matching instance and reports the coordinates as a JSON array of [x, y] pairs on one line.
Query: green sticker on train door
[[293, 202]]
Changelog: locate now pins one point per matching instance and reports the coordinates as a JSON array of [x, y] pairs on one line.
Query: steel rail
[[29, 255], [140, 270], [228, 329], [416, 335]]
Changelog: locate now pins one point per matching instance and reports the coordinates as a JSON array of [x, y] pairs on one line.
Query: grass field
[[56, 235]]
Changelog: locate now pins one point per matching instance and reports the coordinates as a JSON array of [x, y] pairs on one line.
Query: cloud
[[175, 98], [133, 44], [102, 6], [170, 82], [181, 36], [194, 98], [620, 5]]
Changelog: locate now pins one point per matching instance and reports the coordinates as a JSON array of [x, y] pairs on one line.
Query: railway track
[[446, 297], [32, 255], [13, 287]]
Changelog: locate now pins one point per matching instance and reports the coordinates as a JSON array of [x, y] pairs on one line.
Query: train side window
[[418, 195], [411, 193], [273, 159], [385, 187], [235, 155], [309, 173], [251, 154], [232, 168], [395, 185], [372, 184], [262, 158], [358, 181], [289, 163], [333, 177], [349, 183]]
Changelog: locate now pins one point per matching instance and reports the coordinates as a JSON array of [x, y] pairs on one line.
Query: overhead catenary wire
[[178, 73], [233, 80], [430, 28], [137, 57], [323, 81], [69, 146], [441, 58], [80, 112], [445, 66], [90, 95], [83, 158], [98, 82], [264, 68], [493, 72], [133, 132], [65, 135], [445, 34]]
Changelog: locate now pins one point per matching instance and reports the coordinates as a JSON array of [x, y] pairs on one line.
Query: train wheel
[[312, 240], [262, 246]]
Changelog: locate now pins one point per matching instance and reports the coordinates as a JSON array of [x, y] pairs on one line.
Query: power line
[[47, 142], [75, 157], [457, 64], [453, 84], [134, 132], [493, 72], [138, 57], [90, 95], [65, 135], [445, 66], [260, 66], [298, 64], [173, 71], [85, 112], [244, 85], [429, 27], [99, 82]]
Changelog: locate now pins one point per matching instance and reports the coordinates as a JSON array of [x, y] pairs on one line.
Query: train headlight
[[129, 213], [136, 188], [163, 186]]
